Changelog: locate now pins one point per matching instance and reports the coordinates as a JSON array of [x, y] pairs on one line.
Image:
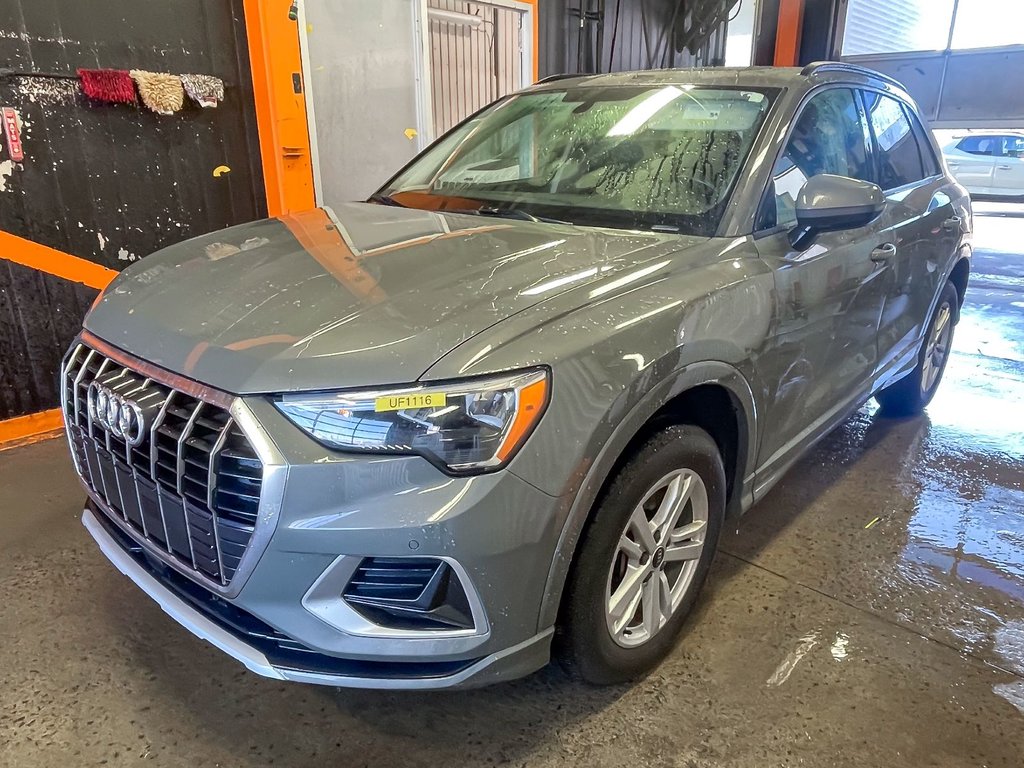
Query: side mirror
[[828, 203]]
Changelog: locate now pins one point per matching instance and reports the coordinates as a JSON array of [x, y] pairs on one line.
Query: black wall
[[111, 183], [622, 35]]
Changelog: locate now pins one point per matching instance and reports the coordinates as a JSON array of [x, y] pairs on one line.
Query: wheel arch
[[712, 395], [960, 275]]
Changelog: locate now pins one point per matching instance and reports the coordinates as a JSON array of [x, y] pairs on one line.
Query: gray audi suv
[[502, 409]]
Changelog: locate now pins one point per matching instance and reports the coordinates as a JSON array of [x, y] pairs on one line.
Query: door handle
[[951, 224], [1003, 167], [883, 252]]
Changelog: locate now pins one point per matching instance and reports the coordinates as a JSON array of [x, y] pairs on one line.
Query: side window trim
[[869, 131], [876, 147], [768, 193], [924, 146]]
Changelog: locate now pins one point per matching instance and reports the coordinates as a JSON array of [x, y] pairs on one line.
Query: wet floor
[[868, 612]]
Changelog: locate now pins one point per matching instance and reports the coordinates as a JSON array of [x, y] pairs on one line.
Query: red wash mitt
[[113, 85]]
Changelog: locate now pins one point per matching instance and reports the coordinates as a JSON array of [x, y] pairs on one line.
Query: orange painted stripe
[[54, 262], [24, 428]]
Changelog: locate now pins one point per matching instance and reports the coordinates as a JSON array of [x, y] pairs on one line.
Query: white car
[[989, 164]]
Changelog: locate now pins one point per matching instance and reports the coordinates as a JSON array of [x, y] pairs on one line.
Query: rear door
[[1008, 176], [919, 221], [972, 161], [821, 352]]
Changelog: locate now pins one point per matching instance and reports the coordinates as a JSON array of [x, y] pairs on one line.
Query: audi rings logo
[[120, 416]]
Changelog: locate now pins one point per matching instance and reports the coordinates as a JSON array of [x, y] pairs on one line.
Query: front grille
[[191, 487]]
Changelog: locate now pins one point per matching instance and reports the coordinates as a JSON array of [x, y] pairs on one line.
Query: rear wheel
[[911, 394], [644, 557]]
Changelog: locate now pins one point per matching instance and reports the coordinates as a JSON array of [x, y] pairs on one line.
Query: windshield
[[635, 157]]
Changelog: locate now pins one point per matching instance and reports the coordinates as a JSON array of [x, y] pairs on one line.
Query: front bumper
[[324, 521], [240, 639]]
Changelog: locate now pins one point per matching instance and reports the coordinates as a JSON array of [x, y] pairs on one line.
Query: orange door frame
[[280, 99], [788, 33], [535, 4]]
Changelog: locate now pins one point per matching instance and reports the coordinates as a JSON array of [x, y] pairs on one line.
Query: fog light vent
[[412, 593]]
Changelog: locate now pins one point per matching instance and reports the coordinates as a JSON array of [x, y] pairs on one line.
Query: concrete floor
[[821, 640]]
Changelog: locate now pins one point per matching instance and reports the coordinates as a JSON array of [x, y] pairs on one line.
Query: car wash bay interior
[[869, 611]]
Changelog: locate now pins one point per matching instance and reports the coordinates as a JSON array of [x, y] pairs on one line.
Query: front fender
[[615, 361], [593, 472]]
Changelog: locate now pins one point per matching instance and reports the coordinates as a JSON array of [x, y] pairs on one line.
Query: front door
[[822, 350], [1008, 176]]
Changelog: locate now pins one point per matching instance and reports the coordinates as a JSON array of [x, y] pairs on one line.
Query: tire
[[911, 394], [604, 649]]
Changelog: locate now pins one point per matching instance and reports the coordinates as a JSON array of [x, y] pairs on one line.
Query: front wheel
[[911, 394], [644, 557]]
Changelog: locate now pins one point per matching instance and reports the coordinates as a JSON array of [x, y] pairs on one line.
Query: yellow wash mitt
[[162, 93]]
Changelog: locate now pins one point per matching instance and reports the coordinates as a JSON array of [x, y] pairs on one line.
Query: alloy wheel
[[938, 347], [656, 558]]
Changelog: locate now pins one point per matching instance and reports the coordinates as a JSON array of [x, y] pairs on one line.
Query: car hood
[[360, 296]]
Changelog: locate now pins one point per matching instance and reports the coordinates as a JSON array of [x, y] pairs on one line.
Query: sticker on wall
[[12, 131], [411, 133]]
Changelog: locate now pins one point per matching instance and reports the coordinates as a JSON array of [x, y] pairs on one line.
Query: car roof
[[753, 77]]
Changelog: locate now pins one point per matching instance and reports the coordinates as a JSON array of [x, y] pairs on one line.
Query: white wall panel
[[363, 88]]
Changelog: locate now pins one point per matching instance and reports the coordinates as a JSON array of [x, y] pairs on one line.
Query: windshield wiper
[[385, 200], [506, 213]]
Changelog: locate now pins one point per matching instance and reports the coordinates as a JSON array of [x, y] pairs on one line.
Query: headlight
[[470, 426]]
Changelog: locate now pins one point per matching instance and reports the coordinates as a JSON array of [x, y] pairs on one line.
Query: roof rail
[[562, 76], [844, 66]]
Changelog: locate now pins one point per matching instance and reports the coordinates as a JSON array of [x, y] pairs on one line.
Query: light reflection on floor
[[946, 558]]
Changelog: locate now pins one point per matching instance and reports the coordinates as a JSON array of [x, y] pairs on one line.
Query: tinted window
[[1011, 146], [978, 145], [924, 143], [828, 137], [899, 158]]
